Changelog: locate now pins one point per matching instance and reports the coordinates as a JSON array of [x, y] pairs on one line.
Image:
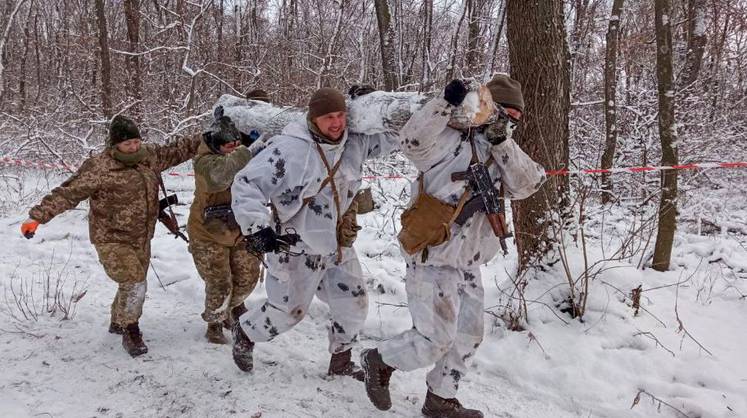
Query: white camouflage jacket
[[437, 151], [290, 170]]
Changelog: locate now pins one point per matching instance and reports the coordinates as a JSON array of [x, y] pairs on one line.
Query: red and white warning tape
[[562, 172], [693, 166]]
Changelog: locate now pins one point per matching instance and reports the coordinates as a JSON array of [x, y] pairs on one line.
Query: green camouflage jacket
[[214, 175], [123, 200]]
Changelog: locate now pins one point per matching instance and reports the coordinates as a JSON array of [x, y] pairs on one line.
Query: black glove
[[454, 92], [263, 241], [248, 139], [357, 91], [500, 130]]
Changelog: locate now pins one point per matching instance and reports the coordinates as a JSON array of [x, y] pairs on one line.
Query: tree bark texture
[[386, 41], [696, 41], [610, 100], [106, 66], [667, 135], [132, 13], [538, 54]]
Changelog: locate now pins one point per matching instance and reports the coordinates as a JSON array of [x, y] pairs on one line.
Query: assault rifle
[[487, 199], [169, 219]]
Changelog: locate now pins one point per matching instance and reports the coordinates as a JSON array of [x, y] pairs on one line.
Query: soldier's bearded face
[[332, 125], [130, 146]]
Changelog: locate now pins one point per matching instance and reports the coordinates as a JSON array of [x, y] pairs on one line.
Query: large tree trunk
[[132, 13], [667, 135], [106, 67], [538, 54], [386, 41], [610, 101]]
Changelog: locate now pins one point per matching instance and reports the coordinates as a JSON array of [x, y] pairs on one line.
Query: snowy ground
[[558, 367]]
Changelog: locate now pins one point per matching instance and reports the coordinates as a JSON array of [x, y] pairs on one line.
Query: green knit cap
[[506, 92], [121, 129], [325, 100]]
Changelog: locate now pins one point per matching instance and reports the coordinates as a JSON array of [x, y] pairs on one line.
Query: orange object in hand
[[28, 228]]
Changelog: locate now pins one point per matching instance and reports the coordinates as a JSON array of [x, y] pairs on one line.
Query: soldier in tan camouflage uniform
[[121, 184], [229, 271]]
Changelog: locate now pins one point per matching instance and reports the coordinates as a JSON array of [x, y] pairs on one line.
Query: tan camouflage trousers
[[128, 266], [230, 274]]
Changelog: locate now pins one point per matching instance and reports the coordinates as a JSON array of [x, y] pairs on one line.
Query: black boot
[[242, 348], [116, 329], [132, 340], [234, 315], [340, 365], [438, 407], [377, 375]]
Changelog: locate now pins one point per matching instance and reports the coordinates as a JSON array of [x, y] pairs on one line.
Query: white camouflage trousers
[[292, 282], [446, 305]]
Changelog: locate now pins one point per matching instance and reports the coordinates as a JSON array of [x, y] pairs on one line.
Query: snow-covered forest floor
[[682, 355]]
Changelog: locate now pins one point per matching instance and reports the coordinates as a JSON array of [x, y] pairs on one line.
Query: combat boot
[[377, 375], [242, 348], [438, 407], [340, 365], [132, 340], [214, 333], [116, 329], [234, 315]]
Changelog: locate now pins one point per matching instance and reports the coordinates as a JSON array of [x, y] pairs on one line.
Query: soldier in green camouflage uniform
[[229, 271], [121, 184]]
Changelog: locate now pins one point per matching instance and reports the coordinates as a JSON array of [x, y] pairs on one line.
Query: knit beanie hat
[[258, 94], [122, 129], [506, 92], [325, 100]]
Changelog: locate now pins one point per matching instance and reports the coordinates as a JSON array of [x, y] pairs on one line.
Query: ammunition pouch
[[426, 223], [219, 218]]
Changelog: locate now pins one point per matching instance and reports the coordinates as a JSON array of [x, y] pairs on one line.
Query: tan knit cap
[[506, 92], [325, 100]]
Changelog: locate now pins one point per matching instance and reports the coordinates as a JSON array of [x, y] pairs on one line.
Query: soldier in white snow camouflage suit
[[444, 286], [293, 175]]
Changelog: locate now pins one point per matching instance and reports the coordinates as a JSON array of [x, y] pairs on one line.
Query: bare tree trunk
[[610, 100], [24, 59], [451, 69], [538, 55], [132, 13], [427, 39], [3, 41], [325, 75], [497, 39], [237, 45], [667, 135], [386, 41], [696, 41], [474, 50], [106, 66]]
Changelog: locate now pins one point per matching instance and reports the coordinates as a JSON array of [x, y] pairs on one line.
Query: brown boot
[[340, 365], [236, 312], [438, 407], [377, 375], [132, 340], [116, 329], [214, 333], [242, 348]]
